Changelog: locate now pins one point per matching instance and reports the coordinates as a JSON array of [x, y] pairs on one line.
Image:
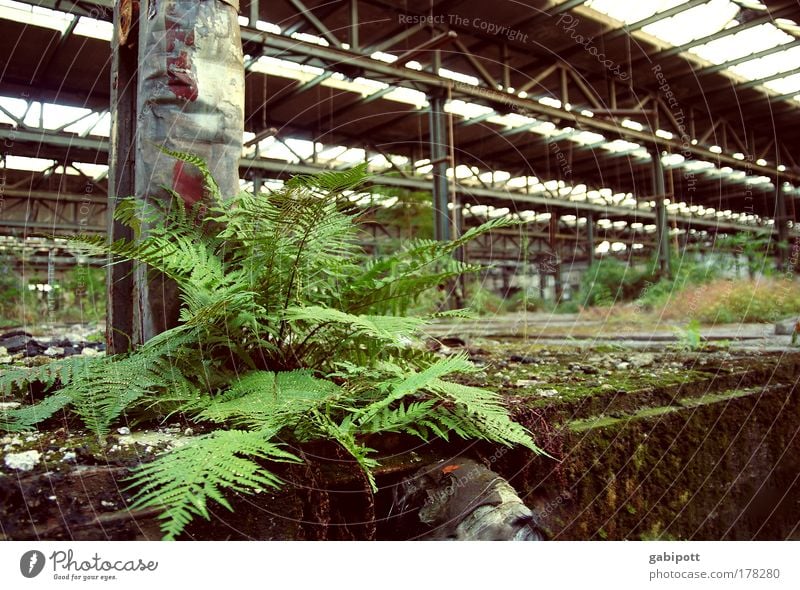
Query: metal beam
[[408, 77], [760, 81], [315, 22], [412, 79]]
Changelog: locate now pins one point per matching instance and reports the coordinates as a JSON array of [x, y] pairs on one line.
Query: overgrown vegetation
[[10, 290], [77, 296], [288, 334], [695, 291], [725, 301]]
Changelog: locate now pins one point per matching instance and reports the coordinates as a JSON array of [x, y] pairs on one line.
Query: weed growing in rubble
[[288, 333]]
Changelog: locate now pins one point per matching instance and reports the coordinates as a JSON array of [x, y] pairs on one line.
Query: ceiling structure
[[555, 109]]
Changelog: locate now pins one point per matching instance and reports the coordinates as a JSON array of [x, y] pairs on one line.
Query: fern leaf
[[25, 418], [417, 381], [61, 371], [208, 179], [184, 479], [485, 415], [331, 181], [262, 399]]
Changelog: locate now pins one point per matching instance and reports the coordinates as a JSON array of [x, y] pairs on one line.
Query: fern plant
[[288, 333]]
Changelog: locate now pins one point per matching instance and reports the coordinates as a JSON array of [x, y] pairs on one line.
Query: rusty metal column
[[439, 161], [590, 237], [782, 226], [558, 287], [662, 229], [190, 99], [124, 66]]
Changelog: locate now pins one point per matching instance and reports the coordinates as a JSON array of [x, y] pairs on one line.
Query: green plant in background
[[10, 289], [523, 301], [288, 334], [685, 273], [609, 281], [756, 247], [689, 337], [482, 300], [86, 286], [410, 215]]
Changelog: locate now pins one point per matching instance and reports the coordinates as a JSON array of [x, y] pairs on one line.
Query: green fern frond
[[183, 480], [485, 413], [208, 180], [416, 382], [381, 327], [344, 433], [331, 181], [25, 418], [263, 399], [63, 371]]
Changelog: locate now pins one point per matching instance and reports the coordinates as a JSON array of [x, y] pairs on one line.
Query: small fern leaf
[[208, 179], [416, 382], [184, 479], [26, 417]]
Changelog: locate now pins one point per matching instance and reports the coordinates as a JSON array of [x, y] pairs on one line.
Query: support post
[[254, 13], [558, 289], [439, 159], [355, 44], [590, 237], [51, 283], [119, 278], [169, 107], [662, 228], [782, 225]]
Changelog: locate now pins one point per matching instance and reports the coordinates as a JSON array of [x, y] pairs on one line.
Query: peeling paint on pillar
[[190, 99]]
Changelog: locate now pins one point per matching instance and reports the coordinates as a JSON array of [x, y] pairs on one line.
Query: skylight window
[[769, 65], [785, 85], [55, 20], [741, 44], [695, 23], [712, 17], [631, 12]]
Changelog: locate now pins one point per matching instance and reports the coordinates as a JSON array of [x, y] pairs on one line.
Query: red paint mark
[[187, 182], [450, 469], [180, 78]]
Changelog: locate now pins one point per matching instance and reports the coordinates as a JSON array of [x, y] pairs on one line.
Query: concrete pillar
[[188, 96], [590, 237]]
